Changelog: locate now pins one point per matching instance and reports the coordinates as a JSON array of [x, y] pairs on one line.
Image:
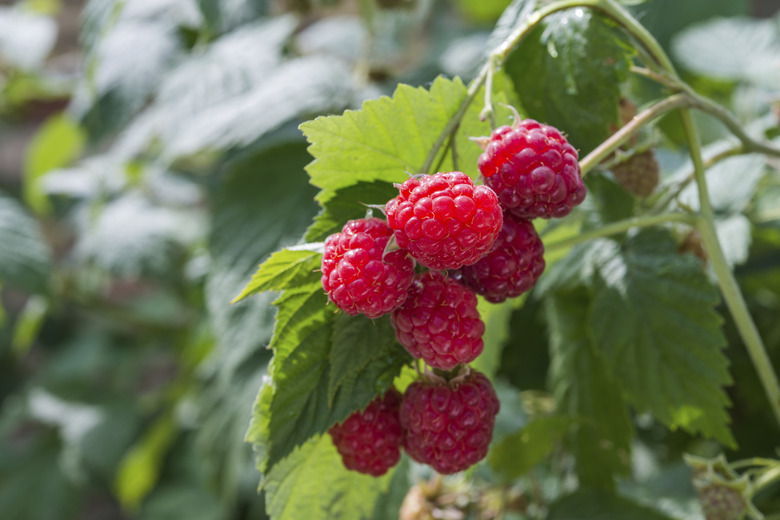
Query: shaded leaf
[[665, 350], [598, 505], [24, 256], [568, 71], [282, 270], [585, 389], [519, 452]]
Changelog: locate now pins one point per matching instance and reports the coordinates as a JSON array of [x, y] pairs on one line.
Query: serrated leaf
[[307, 85], [24, 256], [349, 203], [389, 137], [665, 349], [598, 505], [313, 383], [312, 483], [231, 66], [585, 389], [568, 71], [283, 270], [519, 452], [251, 219], [358, 341], [577, 268]]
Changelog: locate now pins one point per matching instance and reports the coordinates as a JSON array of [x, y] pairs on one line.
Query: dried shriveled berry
[[639, 174], [513, 265], [449, 425], [439, 322], [443, 220], [356, 276], [370, 441]]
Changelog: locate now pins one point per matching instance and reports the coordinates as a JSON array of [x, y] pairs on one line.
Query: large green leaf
[[315, 381], [390, 137], [251, 219], [568, 71], [654, 321], [283, 270], [312, 483], [585, 389], [596, 505], [24, 255]]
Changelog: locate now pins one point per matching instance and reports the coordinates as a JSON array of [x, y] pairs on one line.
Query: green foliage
[[25, 259], [312, 483], [597, 505], [518, 453], [567, 73]]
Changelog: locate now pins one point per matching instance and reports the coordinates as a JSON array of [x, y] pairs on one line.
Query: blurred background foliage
[[150, 159]]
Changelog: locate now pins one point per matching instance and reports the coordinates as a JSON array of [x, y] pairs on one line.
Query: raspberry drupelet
[[444, 220], [512, 266], [356, 275], [533, 169], [370, 441], [449, 425], [439, 322]]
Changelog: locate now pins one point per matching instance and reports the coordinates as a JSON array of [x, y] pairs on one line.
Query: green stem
[[620, 227], [728, 284], [617, 139]]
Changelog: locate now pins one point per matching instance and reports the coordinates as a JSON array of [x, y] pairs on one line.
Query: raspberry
[[443, 220], [439, 322], [449, 425], [370, 442], [356, 276], [721, 502], [533, 170], [512, 266], [639, 174]]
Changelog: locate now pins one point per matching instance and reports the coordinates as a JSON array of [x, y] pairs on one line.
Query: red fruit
[[370, 442], [439, 322], [443, 220], [449, 425], [512, 266], [533, 170], [356, 276]]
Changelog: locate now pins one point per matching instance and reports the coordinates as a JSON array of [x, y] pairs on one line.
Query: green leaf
[[24, 256], [349, 203], [568, 71], [313, 381], [585, 389], [252, 218], [57, 143], [665, 348], [482, 11], [514, 15], [283, 270], [731, 184], [518, 453], [389, 137], [598, 505], [312, 483], [357, 342]]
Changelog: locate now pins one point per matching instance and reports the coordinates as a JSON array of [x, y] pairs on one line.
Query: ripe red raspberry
[[370, 442], [439, 321], [533, 170], [356, 276], [449, 425], [443, 220], [512, 266]]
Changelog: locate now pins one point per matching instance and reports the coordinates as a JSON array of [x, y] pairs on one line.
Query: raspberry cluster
[[483, 236]]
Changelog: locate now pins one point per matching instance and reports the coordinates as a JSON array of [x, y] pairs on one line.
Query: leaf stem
[[728, 284], [617, 139], [622, 226]]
